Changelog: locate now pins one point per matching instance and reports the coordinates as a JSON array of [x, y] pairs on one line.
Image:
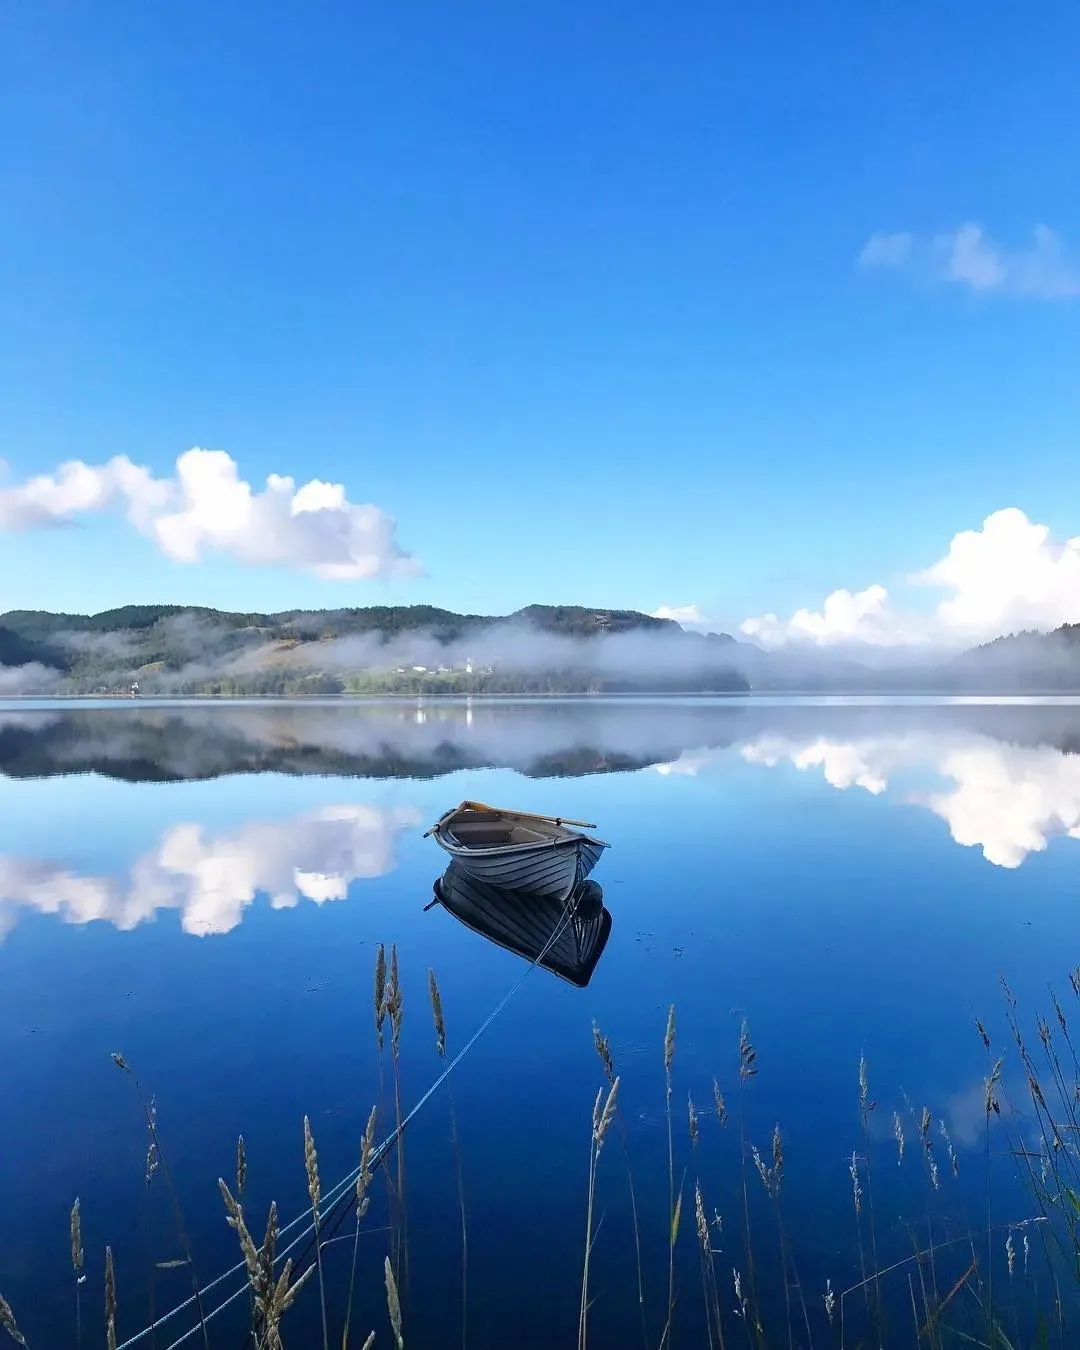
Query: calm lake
[[203, 889]]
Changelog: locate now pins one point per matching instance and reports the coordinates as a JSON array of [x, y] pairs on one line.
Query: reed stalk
[[77, 1266], [440, 1049], [273, 1296], [708, 1271], [669, 1059], [393, 1304], [8, 1323], [311, 1165], [110, 1300], [747, 1070], [866, 1108], [381, 1011], [603, 1049], [603, 1115], [395, 1010], [155, 1144], [363, 1185]]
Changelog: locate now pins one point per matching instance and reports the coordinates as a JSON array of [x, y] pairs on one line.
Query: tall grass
[[439, 1021], [916, 1272]]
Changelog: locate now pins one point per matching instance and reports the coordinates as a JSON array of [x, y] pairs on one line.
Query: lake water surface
[[203, 888]]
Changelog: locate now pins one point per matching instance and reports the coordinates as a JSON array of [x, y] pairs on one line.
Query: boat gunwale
[[443, 832], [452, 844]]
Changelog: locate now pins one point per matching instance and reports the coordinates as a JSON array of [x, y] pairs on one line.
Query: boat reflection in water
[[525, 923]]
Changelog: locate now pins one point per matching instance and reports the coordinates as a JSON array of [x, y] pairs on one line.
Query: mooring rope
[[338, 1192]]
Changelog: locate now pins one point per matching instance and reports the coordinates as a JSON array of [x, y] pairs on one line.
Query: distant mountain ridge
[[372, 649], [422, 649]]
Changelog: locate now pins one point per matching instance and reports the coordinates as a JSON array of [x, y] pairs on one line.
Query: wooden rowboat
[[524, 923], [524, 852]]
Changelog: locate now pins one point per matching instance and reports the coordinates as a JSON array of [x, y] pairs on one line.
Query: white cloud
[[212, 879], [1007, 800], [846, 616], [1008, 576], [207, 507], [689, 616], [965, 256], [886, 250]]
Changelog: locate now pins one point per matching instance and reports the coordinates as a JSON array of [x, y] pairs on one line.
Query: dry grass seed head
[[394, 1003], [693, 1115], [241, 1166], [718, 1098], [234, 1217], [856, 1187], [602, 1118], [8, 1324], [669, 1043], [380, 991], [991, 1083], [311, 1163], [747, 1053], [76, 1237], [363, 1181], [393, 1303], [603, 1049], [110, 1300], [898, 1135], [699, 1218], [437, 1013]]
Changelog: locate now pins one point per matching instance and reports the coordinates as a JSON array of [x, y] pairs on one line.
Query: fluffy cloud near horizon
[[688, 616], [206, 507], [966, 256], [1008, 576]]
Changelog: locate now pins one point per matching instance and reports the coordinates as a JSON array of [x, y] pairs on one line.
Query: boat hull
[[571, 934], [549, 869]]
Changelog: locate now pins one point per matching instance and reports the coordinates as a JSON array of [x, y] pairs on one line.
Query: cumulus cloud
[[689, 616], [846, 616], [966, 256], [211, 879], [1007, 800], [1009, 576], [206, 507]]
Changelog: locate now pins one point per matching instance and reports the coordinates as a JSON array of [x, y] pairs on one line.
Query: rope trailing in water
[[338, 1193]]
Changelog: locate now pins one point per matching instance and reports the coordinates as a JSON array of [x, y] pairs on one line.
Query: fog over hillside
[[173, 650]]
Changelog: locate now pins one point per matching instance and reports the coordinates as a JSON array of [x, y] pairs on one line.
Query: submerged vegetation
[[1002, 1274]]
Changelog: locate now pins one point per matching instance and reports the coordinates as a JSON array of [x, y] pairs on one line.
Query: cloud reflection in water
[[1009, 800], [213, 878]]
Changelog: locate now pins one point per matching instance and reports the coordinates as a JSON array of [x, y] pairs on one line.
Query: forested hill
[[38, 625], [378, 649]]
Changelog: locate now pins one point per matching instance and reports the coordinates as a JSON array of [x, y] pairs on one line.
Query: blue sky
[[572, 292]]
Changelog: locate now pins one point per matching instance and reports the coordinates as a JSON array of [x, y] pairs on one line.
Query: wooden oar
[[526, 815]]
